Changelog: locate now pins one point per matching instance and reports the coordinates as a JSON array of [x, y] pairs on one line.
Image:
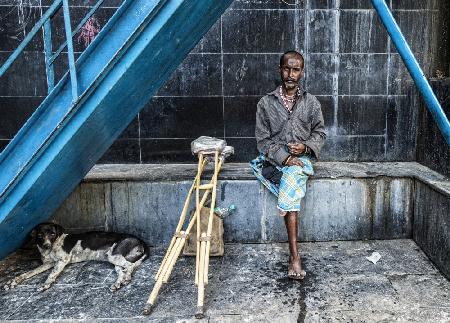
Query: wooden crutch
[[179, 238], [204, 242], [178, 233]]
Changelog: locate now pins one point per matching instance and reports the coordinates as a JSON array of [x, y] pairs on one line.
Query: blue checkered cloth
[[292, 186]]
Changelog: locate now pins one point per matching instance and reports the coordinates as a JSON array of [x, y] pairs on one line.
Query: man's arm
[[274, 150], [317, 138]]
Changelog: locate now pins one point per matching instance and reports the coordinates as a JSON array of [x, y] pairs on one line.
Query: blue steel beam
[[119, 73], [413, 67]]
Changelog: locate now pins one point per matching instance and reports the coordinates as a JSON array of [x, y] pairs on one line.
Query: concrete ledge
[[345, 201], [242, 171]]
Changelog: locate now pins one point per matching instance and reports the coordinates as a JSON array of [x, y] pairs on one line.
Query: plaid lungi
[[292, 186]]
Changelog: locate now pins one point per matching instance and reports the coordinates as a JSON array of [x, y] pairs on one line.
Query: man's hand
[[293, 161], [296, 148]]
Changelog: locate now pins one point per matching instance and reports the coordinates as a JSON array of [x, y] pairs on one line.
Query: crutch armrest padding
[[207, 145]]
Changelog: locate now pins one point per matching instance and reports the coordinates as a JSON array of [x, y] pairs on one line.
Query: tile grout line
[[388, 49], [243, 9], [238, 53], [23, 96], [43, 41], [306, 41], [221, 71], [336, 68], [386, 127], [326, 9], [232, 96], [296, 25], [21, 17], [261, 94], [236, 137]]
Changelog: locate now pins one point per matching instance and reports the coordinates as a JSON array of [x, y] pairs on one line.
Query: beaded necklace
[[287, 100]]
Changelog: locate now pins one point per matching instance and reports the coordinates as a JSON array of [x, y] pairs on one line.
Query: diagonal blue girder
[[121, 70]]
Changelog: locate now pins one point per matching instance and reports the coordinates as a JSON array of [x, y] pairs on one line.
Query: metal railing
[[45, 23], [413, 67]]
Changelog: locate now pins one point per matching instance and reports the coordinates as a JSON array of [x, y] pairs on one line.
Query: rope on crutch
[[202, 145]]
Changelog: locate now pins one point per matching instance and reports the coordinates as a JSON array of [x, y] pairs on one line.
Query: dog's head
[[45, 234]]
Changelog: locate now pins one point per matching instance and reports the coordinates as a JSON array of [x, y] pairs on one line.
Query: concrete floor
[[248, 284]]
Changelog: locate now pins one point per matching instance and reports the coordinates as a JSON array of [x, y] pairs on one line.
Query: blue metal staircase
[[86, 111]]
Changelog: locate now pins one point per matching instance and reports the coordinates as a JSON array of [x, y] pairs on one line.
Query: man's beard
[[289, 85]]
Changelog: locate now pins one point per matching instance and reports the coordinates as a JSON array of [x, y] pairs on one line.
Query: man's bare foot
[[295, 269]]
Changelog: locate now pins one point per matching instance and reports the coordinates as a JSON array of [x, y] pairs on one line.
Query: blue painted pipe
[[413, 67]]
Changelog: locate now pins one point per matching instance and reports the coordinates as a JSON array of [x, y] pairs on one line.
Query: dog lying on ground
[[59, 249]]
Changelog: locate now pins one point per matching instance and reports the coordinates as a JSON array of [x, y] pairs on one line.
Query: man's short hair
[[292, 53]]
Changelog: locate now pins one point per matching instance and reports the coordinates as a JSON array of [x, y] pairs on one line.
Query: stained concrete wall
[[344, 201], [351, 66], [432, 225], [334, 209], [432, 149]]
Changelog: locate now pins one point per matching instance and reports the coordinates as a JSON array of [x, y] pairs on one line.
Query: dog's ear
[[59, 229], [33, 234]]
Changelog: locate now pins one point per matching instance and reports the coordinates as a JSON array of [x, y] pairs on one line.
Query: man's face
[[291, 72]]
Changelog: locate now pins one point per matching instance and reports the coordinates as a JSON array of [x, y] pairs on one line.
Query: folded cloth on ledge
[[228, 151]]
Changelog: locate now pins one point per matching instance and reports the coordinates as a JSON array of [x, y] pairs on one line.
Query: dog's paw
[[10, 284], [115, 287]]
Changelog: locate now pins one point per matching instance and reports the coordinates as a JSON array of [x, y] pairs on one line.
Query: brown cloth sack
[[217, 246]]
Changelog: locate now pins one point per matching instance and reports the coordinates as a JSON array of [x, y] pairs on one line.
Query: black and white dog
[[59, 249]]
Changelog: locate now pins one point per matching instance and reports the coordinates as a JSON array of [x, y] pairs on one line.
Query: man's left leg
[[295, 266]]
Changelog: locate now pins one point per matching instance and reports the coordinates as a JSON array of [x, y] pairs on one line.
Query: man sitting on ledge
[[289, 132]]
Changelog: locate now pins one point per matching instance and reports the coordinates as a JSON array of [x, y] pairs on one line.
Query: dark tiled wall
[[351, 66], [432, 149]]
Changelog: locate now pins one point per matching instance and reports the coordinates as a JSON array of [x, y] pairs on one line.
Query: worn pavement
[[248, 284]]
